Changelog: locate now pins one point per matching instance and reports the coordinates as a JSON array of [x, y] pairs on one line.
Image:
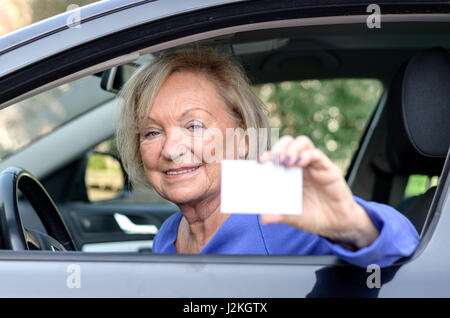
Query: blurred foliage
[[97, 162], [104, 178], [333, 113], [103, 161], [418, 184]]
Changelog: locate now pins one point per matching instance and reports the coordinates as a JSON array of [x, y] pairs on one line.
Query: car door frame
[[47, 274]]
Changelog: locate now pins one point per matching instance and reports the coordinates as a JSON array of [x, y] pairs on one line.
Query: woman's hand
[[329, 209]]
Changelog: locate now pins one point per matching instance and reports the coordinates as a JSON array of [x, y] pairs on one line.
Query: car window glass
[[418, 184], [104, 180], [332, 112], [17, 14], [24, 122]]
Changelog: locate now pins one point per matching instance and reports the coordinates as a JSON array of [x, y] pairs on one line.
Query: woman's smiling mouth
[[183, 171]]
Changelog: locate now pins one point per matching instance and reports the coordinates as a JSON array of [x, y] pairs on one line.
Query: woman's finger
[[278, 150], [314, 158], [294, 150]]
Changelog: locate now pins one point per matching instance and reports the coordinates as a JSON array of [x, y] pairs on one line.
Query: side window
[[23, 123], [333, 112], [419, 184], [105, 179]]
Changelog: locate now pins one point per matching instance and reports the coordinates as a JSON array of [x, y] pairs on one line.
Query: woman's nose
[[175, 146]]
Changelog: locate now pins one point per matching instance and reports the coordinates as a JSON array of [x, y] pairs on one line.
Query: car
[[70, 228]]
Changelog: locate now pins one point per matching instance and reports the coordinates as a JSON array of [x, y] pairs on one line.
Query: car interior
[[417, 118], [406, 135]]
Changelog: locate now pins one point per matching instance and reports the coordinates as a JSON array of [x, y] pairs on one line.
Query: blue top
[[244, 234]]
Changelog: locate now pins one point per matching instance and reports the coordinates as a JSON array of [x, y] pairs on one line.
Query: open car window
[[334, 113]]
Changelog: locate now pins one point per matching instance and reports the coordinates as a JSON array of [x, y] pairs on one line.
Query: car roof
[[97, 20], [104, 7], [53, 24]]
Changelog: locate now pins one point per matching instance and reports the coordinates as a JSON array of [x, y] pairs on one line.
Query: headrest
[[418, 114]]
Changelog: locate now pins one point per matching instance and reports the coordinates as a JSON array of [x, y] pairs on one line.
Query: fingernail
[[298, 159], [276, 159], [286, 161]]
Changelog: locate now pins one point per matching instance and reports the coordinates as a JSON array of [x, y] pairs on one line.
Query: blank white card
[[260, 188]]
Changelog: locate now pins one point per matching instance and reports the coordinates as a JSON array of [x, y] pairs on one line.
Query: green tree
[[333, 113]]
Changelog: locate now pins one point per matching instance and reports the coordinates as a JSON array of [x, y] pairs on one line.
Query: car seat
[[418, 121]]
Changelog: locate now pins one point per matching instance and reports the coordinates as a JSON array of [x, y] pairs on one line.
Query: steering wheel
[[13, 235]]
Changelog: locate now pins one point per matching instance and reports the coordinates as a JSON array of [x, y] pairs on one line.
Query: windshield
[[16, 14], [28, 120]]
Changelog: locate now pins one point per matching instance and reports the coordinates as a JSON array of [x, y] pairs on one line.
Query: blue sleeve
[[155, 244], [398, 238]]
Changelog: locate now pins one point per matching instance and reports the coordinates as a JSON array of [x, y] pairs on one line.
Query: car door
[[69, 274]]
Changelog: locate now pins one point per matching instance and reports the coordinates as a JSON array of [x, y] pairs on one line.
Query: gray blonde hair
[[140, 91]]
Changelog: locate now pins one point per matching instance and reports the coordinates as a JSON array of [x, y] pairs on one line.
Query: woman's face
[[183, 140]]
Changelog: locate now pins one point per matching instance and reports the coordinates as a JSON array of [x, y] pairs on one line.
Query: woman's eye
[[195, 126], [151, 133]]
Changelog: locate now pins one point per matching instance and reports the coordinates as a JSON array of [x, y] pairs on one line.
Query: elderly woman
[[170, 108]]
